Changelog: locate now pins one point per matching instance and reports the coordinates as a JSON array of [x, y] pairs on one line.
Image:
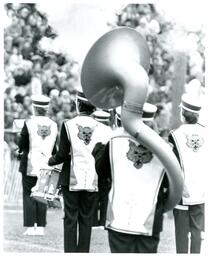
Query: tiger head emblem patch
[[44, 131], [139, 155], [85, 133], [194, 141]]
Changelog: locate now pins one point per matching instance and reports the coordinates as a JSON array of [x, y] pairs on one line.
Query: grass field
[[14, 241]]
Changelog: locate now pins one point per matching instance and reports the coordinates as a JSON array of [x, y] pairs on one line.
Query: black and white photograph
[[104, 127]]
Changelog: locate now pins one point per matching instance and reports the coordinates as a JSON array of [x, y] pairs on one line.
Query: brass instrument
[[115, 73]]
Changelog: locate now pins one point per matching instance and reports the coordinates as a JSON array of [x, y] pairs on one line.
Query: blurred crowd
[[30, 70]]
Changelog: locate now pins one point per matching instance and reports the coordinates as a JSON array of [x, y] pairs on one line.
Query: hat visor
[[101, 119], [147, 118]]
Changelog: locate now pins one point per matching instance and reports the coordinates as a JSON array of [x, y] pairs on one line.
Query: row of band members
[[108, 167]]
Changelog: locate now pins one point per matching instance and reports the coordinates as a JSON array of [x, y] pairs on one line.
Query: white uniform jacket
[[136, 178], [192, 147], [42, 136], [84, 132]]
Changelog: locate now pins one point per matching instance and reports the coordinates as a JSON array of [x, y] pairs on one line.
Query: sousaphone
[[115, 73]]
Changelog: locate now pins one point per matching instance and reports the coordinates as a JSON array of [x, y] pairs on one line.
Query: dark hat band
[[102, 118], [189, 106], [148, 115]]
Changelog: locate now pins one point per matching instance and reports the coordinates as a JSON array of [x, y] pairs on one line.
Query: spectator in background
[[66, 109], [8, 44], [37, 141], [27, 104], [27, 48], [15, 58], [36, 85], [190, 146], [15, 29], [54, 94], [7, 106], [65, 97], [23, 12], [37, 64], [21, 76]]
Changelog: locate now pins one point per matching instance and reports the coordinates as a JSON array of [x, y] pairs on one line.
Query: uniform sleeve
[[103, 162], [172, 142], [23, 143], [102, 165], [98, 152], [64, 149]]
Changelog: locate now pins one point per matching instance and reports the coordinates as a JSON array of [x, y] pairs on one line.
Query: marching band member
[[136, 198], [37, 141], [78, 177], [190, 146]]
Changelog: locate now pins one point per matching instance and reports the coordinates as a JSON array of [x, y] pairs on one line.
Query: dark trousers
[[79, 208], [128, 243], [101, 208], [186, 221], [103, 198], [33, 211]]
